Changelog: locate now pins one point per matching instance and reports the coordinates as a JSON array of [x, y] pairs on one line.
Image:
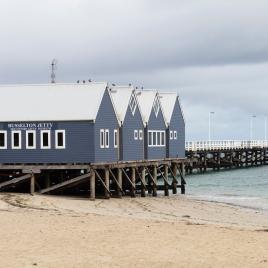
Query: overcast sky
[[214, 53]]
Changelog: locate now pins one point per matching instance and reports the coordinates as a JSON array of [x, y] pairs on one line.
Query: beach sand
[[50, 231]]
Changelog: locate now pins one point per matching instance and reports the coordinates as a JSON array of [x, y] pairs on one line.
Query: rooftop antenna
[[53, 69]]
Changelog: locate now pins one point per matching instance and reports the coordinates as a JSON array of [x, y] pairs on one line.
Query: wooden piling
[[166, 186], [107, 183], [155, 180], [143, 193], [32, 184], [133, 180], [119, 179], [174, 182], [92, 185]]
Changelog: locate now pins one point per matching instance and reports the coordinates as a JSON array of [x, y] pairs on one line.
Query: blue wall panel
[[106, 119], [132, 149], [177, 147], [156, 123], [79, 143]]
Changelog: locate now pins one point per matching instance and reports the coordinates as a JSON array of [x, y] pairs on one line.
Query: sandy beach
[[50, 231]]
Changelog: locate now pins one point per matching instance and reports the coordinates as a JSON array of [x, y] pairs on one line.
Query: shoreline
[[59, 231]]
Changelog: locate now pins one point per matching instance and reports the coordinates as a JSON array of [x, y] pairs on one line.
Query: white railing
[[224, 144]]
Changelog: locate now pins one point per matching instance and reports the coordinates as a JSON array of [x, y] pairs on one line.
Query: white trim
[[102, 138], [155, 134], [175, 135], [63, 139], [140, 134], [34, 139], [49, 139], [5, 139], [171, 135], [136, 134], [12, 139], [107, 141], [115, 138]]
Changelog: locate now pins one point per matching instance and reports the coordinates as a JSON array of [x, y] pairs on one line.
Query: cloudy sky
[[214, 53]]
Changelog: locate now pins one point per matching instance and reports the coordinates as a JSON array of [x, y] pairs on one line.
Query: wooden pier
[[218, 155], [102, 180]]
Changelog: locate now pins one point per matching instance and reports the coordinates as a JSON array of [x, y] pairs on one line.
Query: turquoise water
[[243, 187]]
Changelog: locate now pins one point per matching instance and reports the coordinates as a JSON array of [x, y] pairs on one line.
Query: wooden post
[[133, 179], [155, 179], [47, 180], [120, 182], [32, 184], [165, 183], [174, 183], [143, 194], [182, 178], [92, 185], [107, 183]]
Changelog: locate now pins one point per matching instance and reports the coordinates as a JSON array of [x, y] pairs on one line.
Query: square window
[[3, 139], [171, 135], [60, 139], [107, 142], [30, 139], [136, 134], [115, 138], [45, 139], [175, 135], [16, 139], [102, 138], [140, 134]]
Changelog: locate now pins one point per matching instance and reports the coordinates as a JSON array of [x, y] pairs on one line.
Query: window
[[102, 138], [171, 135], [16, 139], [30, 139], [156, 106], [175, 135], [140, 134], [45, 139], [156, 138], [133, 103], [107, 138], [136, 134], [115, 138], [3, 139], [60, 139]]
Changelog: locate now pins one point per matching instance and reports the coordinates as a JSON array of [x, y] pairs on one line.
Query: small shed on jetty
[[131, 141], [57, 123], [175, 136], [154, 122]]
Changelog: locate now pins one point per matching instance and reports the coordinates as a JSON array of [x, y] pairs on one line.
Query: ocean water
[[247, 187]]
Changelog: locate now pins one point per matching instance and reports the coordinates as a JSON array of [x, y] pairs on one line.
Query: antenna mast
[[53, 69]]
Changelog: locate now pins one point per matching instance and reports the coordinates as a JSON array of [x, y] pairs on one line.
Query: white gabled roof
[[168, 101], [51, 102], [146, 99], [120, 97]]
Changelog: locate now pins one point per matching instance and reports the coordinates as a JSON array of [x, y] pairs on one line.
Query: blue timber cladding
[[177, 147], [79, 138], [156, 123], [106, 119], [132, 149]]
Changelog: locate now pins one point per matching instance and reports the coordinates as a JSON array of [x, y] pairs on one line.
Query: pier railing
[[225, 144]]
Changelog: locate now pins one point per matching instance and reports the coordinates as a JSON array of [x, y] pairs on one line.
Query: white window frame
[[63, 137], [115, 138], [12, 139], [175, 135], [102, 138], [136, 134], [140, 135], [171, 135], [34, 139], [156, 133], [107, 141], [5, 139], [49, 139]]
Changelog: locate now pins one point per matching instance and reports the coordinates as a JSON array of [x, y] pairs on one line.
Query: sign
[[29, 126]]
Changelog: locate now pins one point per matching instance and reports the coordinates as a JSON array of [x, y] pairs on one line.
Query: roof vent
[[113, 85], [77, 81], [129, 85], [89, 80], [84, 81]]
